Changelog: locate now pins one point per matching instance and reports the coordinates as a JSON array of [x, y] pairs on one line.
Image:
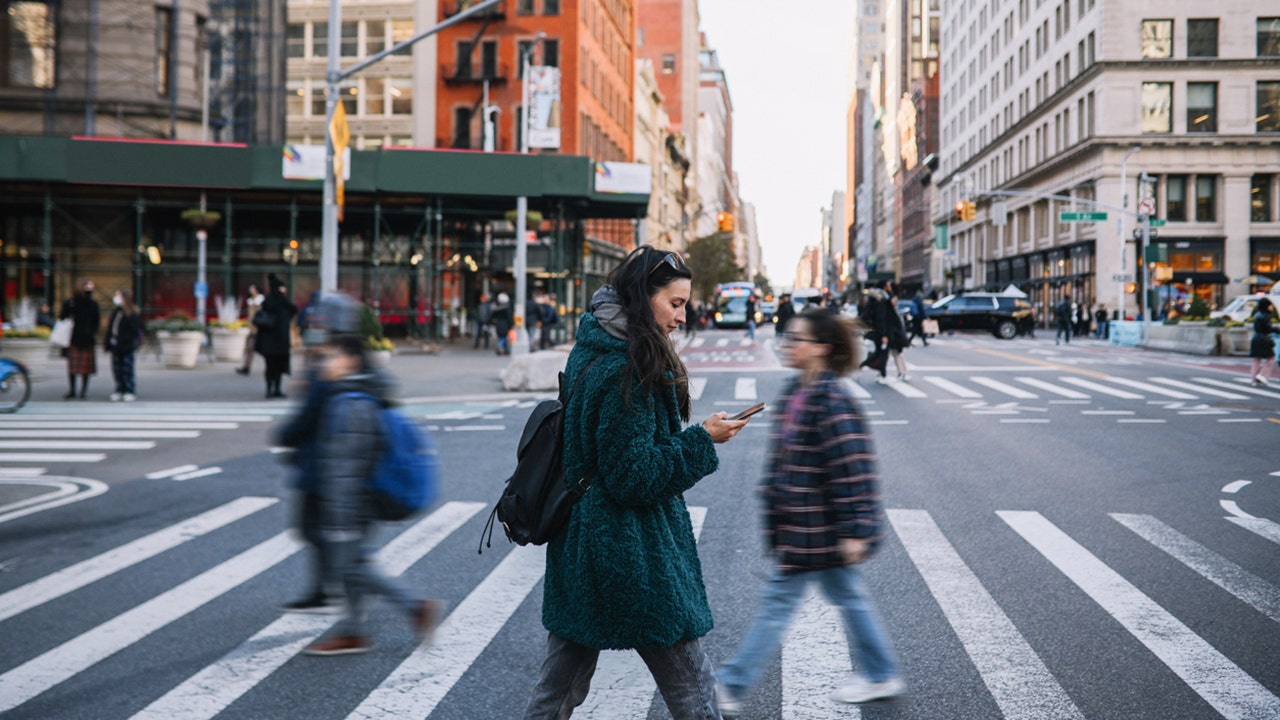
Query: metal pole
[[520, 266], [1124, 203], [1146, 277]]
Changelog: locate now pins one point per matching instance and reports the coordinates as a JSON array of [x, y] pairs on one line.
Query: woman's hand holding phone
[[721, 427]]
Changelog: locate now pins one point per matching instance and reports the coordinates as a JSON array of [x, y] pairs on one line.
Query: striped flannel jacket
[[821, 482]]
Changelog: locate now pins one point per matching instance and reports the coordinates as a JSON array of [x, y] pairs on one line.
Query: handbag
[[929, 326], [60, 336], [264, 320]]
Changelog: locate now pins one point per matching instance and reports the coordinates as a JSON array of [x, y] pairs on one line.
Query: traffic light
[[1131, 288], [965, 211], [724, 221]]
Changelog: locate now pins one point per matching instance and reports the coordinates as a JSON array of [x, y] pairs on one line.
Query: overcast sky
[[786, 67]]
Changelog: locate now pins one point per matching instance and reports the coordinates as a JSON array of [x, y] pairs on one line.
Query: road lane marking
[[150, 418], [1025, 421], [82, 652], [206, 472], [53, 457], [102, 434], [128, 425], [696, 386], [22, 471], [1141, 421], [954, 388], [1220, 682], [1004, 388], [418, 685], [1240, 420], [82, 573], [815, 658], [1148, 387], [1229, 386], [1050, 387], [622, 686], [1199, 389], [906, 389], [67, 490], [855, 389], [162, 474], [744, 388], [1042, 363], [1097, 387], [76, 445], [1106, 412], [1244, 585], [1017, 678], [211, 690], [1261, 527], [1236, 486]]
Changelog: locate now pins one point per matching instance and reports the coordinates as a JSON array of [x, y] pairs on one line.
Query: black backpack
[[536, 501]]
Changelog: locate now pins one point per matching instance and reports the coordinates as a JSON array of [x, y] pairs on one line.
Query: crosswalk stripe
[[126, 425], [71, 578], [1261, 527], [1198, 389], [76, 445], [149, 417], [1148, 387], [1220, 682], [102, 434], [622, 686], [1250, 390], [1249, 588], [744, 388], [52, 457], [86, 650], [954, 388], [418, 685], [907, 390], [1004, 388], [1098, 387], [1021, 685], [856, 390], [696, 386], [211, 690], [815, 657], [1050, 387]]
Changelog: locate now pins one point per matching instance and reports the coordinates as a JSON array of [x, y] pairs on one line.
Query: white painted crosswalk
[[1011, 663]]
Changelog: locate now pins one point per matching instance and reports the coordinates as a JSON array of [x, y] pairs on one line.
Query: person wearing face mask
[[81, 356], [124, 337]]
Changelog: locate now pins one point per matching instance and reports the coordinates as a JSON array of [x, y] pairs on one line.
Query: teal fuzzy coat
[[625, 573]]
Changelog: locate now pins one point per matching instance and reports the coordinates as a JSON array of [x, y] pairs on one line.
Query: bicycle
[[15, 385]]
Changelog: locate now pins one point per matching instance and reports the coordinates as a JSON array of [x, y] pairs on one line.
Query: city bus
[[730, 304]]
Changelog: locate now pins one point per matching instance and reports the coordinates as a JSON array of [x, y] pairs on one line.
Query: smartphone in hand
[[758, 407]]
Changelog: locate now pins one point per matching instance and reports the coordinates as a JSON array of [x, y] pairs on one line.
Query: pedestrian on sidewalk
[[875, 314], [917, 320], [751, 316], [1063, 312], [1262, 346], [275, 341], [822, 516], [898, 339], [502, 324], [124, 337], [252, 304], [624, 573], [484, 316], [1100, 326], [82, 353]]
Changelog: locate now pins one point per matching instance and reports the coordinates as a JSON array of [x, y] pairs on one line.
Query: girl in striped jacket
[[822, 515]]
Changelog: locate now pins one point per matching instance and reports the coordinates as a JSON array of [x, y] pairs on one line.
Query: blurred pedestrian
[[82, 353], [1262, 345], [918, 314], [1063, 313], [898, 341], [547, 316], [1101, 323], [252, 304], [624, 573], [44, 317], [751, 316], [822, 516], [502, 324], [786, 311], [124, 337], [274, 342], [484, 316], [875, 315]]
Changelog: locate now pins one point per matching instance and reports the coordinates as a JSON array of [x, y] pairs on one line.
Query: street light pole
[[1124, 204], [520, 267]]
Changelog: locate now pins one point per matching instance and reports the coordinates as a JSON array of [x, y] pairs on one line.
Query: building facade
[[663, 150], [1043, 105]]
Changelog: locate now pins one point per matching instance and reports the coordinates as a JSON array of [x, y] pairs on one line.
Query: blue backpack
[[406, 476]]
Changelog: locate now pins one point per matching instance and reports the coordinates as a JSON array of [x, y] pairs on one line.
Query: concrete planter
[[1235, 341], [31, 352], [228, 344], [1193, 338], [180, 349], [379, 357]]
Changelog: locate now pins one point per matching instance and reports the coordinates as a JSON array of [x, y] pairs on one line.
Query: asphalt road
[[1075, 531]]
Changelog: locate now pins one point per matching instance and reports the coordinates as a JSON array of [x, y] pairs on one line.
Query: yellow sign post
[[340, 134]]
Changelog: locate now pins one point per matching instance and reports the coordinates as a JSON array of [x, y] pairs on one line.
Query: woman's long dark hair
[[654, 363]]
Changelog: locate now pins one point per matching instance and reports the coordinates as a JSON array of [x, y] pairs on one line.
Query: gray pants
[[363, 581], [682, 672]]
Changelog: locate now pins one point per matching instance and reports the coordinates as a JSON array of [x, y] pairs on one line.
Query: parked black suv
[[1005, 316]]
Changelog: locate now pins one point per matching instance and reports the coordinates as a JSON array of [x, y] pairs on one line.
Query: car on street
[[1241, 309], [1005, 316]]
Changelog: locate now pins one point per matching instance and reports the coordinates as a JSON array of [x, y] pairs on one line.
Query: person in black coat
[[786, 311], [274, 342], [124, 337], [81, 356]]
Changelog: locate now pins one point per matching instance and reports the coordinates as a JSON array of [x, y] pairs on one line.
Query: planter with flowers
[[29, 346], [378, 349], [181, 337], [228, 333]]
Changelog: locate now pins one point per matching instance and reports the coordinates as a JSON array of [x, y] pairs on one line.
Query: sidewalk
[[457, 370]]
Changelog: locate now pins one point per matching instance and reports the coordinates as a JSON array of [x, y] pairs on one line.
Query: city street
[[1073, 531]]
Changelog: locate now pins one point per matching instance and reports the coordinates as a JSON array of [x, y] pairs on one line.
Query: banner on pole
[[340, 135], [544, 101]]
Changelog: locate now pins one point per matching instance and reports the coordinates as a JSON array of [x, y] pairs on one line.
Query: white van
[[1241, 308]]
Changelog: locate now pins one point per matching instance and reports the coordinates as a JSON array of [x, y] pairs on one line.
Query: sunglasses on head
[[673, 259]]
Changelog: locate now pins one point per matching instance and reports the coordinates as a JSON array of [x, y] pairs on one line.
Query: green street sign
[[1157, 222], [1067, 217]]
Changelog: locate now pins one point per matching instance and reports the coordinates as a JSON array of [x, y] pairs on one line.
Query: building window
[[1206, 198], [320, 40], [164, 50], [462, 127], [550, 7], [296, 101], [668, 64], [1175, 198], [1202, 107], [551, 53], [375, 91], [1202, 38], [375, 40], [317, 99], [1157, 38], [1268, 117], [401, 30], [1157, 107], [489, 59], [524, 7], [29, 32], [1260, 199], [465, 50], [349, 44], [296, 40], [401, 96], [1268, 37]]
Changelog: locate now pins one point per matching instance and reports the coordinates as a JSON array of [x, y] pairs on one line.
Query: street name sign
[[1081, 217], [1122, 277]]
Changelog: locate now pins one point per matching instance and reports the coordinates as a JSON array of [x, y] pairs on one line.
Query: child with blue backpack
[[347, 445]]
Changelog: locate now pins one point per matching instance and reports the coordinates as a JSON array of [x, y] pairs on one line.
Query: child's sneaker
[[861, 690]]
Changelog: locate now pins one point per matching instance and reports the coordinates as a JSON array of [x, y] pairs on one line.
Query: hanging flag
[[340, 134]]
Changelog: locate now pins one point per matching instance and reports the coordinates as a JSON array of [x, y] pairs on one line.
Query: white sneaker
[[730, 706], [883, 380], [1261, 381], [861, 690], [130, 397], [905, 378], [115, 397]]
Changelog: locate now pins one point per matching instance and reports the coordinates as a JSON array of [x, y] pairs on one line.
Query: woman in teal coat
[[625, 572]]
